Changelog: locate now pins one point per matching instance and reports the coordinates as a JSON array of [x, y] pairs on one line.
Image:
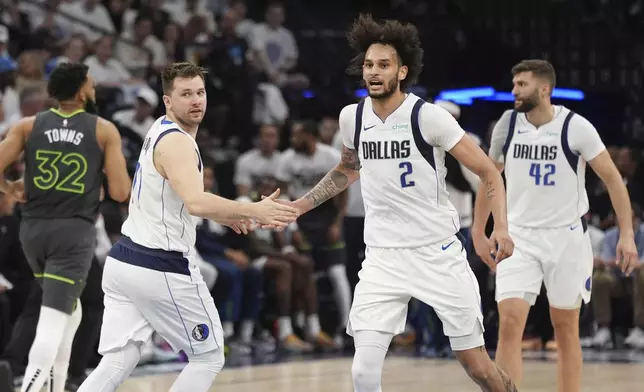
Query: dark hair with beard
[[365, 32], [66, 80], [540, 68], [180, 70]]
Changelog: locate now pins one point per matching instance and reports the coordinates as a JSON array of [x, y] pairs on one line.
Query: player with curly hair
[[396, 143]]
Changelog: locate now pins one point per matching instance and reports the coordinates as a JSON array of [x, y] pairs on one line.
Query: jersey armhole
[[571, 156], [356, 131], [508, 139], [161, 135], [426, 150]]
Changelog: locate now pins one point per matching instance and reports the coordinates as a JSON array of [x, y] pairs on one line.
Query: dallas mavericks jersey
[[157, 217], [403, 171], [545, 167]]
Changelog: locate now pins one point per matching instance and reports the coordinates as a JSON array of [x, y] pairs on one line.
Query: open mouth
[[375, 83]]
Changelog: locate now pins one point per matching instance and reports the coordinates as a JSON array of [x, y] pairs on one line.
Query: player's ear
[[402, 72], [166, 100]]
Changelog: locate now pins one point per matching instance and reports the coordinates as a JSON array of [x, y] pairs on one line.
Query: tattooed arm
[[335, 181]]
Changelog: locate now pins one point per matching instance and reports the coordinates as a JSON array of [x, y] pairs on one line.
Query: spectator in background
[[74, 52], [31, 71], [238, 283], [49, 32], [277, 50], [300, 168], [195, 8], [230, 67], [139, 119], [294, 281], [147, 51], [151, 9], [607, 284], [245, 26], [174, 43], [106, 70], [258, 164], [328, 130], [116, 9], [88, 18], [10, 97], [4, 42], [32, 101]]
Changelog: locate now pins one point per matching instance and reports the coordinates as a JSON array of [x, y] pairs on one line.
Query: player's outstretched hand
[[485, 249], [503, 245], [627, 257], [274, 214]]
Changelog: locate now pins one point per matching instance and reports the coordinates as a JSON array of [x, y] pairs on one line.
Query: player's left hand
[[503, 244], [627, 257]]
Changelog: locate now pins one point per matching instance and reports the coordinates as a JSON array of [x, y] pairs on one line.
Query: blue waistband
[[127, 251]]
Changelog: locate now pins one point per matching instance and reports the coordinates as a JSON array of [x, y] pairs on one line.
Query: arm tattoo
[[490, 190], [350, 159], [507, 382], [332, 184]]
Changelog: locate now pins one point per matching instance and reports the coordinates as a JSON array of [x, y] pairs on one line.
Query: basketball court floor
[[602, 372]]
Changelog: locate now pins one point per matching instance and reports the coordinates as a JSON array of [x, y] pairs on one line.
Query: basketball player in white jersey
[[543, 149], [150, 281], [396, 143]]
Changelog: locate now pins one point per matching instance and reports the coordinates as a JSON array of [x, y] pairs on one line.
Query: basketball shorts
[[60, 253], [149, 290], [437, 274], [561, 258], [324, 252]]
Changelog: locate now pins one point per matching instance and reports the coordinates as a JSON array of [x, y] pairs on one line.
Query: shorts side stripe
[[55, 277], [179, 313]]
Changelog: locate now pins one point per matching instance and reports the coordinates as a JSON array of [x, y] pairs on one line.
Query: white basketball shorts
[[561, 258], [140, 300], [438, 275]]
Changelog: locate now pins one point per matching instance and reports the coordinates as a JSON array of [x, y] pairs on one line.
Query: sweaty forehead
[[381, 52]]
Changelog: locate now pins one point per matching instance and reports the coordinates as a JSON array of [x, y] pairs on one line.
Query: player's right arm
[[482, 205], [185, 179], [118, 180], [343, 174]]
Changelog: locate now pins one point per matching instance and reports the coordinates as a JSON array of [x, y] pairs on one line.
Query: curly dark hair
[[366, 31], [180, 70], [66, 80]]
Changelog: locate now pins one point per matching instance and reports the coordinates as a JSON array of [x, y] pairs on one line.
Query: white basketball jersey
[[545, 168], [157, 217], [403, 171]]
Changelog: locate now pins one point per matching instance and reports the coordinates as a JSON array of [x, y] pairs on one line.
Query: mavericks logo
[[200, 332]]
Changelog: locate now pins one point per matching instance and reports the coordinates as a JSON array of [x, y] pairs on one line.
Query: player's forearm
[[482, 210], [219, 209], [342, 203], [335, 181], [490, 197], [621, 204]]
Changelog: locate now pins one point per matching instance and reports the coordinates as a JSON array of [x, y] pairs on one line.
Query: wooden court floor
[[400, 374]]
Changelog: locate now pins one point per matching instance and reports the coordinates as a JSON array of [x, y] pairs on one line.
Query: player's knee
[[211, 361]]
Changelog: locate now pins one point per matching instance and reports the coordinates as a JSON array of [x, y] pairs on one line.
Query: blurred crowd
[[290, 290]]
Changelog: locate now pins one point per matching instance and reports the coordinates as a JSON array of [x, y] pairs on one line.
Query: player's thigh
[[67, 249], [443, 279], [122, 320], [181, 309], [568, 272], [520, 275], [381, 295]]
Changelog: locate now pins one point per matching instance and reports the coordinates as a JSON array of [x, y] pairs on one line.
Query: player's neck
[[70, 107], [384, 107], [312, 148], [541, 115], [189, 129]]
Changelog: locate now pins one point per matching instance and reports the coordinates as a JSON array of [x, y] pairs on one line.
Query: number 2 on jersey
[[49, 172], [535, 172], [404, 182]]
